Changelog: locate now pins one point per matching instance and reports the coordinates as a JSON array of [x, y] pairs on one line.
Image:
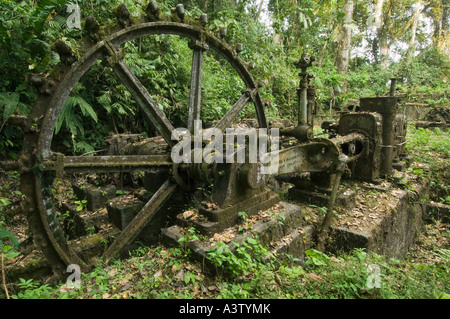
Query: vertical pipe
[[303, 101], [304, 63], [311, 105], [388, 143], [387, 107], [392, 90]]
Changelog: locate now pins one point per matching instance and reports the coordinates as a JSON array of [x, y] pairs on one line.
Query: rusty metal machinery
[[41, 167], [368, 141]]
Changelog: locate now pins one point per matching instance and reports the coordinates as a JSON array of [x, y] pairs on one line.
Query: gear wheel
[[45, 165]]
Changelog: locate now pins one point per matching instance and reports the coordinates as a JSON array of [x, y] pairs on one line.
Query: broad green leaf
[[10, 236], [9, 100], [87, 109]]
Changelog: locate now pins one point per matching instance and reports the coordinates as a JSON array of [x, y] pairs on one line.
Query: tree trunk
[[412, 42], [378, 19], [344, 43], [383, 33], [441, 27], [384, 51], [258, 12], [329, 26]]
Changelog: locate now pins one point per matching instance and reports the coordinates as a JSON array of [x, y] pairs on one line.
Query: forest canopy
[[359, 46]]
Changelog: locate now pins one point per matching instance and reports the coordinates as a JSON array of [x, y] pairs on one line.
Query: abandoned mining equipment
[[369, 143]]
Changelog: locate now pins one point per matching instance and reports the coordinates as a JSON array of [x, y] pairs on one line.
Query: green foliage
[[428, 72], [424, 142], [4, 202], [8, 250], [249, 256], [9, 244], [251, 271], [81, 205], [316, 258], [32, 289], [431, 151], [189, 236]]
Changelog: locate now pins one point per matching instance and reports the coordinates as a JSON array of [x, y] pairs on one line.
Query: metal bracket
[[56, 163], [200, 43], [115, 54]]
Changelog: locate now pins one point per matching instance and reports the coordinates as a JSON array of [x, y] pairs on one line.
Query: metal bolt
[[239, 48], [223, 33], [153, 6], [204, 19], [180, 11]]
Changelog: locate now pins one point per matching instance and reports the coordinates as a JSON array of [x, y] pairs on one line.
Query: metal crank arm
[[319, 155]]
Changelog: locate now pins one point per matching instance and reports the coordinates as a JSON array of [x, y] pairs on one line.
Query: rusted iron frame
[[64, 250], [24, 122], [323, 231], [304, 63], [387, 107], [42, 145], [108, 164], [319, 155], [350, 139]]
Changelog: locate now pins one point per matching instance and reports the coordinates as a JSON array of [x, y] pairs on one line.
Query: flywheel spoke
[[196, 87], [140, 221], [143, 98], [75, 234], [232, 113]]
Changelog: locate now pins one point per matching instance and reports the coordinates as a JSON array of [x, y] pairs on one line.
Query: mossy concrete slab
[[386, 223]]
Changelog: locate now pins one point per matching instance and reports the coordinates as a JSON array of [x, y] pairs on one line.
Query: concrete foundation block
[[122, 213], [96, 196], [390, 232]]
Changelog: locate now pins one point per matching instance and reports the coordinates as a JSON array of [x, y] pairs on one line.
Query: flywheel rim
[[37, 145]]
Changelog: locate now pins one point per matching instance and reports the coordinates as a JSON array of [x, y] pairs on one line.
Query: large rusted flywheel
[[45, 165]]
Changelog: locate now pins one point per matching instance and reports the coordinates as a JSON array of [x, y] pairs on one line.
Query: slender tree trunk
[[258, 12], [342, 59], [383, 32], [441, 26], [444, 44], [378, 14], [384, 51], [412, 42], [378, 20], [324, 47]]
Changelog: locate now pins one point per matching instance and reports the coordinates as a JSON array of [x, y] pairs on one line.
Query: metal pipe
[[323, 233], [303, 101]]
